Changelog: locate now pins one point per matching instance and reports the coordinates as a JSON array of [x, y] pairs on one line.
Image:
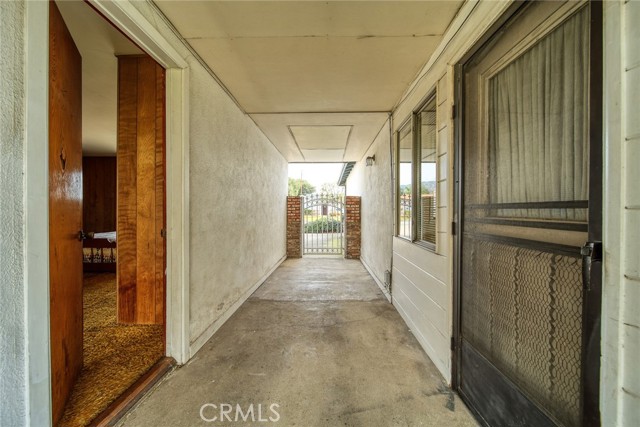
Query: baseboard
[[213, 328], [376, 279]]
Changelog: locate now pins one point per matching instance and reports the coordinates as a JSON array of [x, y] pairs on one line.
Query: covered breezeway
[[319, 340]]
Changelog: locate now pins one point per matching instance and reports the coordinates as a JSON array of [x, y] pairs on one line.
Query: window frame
[[409, 121], [417, 148], [416, 144]]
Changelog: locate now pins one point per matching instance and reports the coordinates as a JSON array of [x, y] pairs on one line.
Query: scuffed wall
[[373, 185], [238, 186], [12, 313]]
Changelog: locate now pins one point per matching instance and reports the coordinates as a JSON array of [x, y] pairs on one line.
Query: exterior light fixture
[[371, 160]]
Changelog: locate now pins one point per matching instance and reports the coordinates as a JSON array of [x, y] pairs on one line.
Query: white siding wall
[[620, 376], [423, 279]]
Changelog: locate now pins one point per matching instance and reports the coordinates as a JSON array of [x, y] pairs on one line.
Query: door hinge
[[453, 228], [453, 344], [163, 233], [453, 112]]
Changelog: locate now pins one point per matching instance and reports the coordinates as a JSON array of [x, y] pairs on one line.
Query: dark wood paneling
[[141, 251], [99, 193], [65, 210], [160, 156]]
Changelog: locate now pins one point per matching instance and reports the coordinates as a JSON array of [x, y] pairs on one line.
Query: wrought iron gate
[[323, 224]]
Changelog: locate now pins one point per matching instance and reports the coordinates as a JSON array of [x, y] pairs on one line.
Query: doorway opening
[[107, 214]]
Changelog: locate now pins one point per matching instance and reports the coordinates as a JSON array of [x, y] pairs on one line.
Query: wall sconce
[[371, 160]]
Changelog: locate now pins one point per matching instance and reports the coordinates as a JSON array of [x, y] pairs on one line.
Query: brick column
[[294, 227], [352, 225]]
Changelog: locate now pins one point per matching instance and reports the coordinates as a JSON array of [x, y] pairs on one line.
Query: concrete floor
[[319, 340]]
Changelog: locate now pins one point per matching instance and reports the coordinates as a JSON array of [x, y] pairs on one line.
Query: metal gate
[[323, 224]]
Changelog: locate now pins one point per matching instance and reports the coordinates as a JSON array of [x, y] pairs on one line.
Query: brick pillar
[[352, 225], [294, 227]]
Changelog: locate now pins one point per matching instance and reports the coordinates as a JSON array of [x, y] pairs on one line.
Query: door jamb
[[125, 17], [36, 252], [458, 163]]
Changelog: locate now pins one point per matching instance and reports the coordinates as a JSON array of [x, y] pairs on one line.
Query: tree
[[295, 185], [329, 188]]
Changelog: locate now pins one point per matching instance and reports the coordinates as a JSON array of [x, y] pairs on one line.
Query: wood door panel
[[65, 210], [141, 251]]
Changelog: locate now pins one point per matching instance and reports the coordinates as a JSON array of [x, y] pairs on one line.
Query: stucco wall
[[373, 185], [12, 313], [237, 191], [238, 187]]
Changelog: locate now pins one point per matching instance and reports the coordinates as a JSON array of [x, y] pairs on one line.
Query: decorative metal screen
[[323, 224], [522, 309]]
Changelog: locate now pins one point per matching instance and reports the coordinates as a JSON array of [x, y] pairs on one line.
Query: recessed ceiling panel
[[363, 129], [323, 155], [321, 137]]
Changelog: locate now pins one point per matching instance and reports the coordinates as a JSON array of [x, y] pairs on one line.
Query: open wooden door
[[141, 191], [65, 210]]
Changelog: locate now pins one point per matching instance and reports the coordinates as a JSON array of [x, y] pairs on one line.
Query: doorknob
[[81, 235]]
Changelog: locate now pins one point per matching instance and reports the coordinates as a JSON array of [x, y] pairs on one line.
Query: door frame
[[125, 17], [592, 304]]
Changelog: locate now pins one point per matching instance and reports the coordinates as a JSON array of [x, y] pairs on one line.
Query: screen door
[[527, 210]]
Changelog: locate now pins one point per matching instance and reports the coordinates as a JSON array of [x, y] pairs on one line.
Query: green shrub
[[323, 225]]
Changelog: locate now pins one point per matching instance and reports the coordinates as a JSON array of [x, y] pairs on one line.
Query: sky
[[428, 173], [316, 173], [319, 173]]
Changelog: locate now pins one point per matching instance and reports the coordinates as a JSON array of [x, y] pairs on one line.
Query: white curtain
[[538, 130]]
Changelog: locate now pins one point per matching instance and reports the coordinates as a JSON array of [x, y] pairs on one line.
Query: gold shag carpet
[[115, 356]]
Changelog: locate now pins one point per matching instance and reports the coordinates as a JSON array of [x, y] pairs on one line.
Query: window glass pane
[[427, 177], [405, 157], [538, 134]]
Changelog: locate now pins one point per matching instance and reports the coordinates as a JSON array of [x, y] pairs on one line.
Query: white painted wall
[[13, 398], [620, 376], [373, 185], [237, 193]]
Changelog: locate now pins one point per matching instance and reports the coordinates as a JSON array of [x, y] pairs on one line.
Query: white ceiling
[[306, 71], [317, 77], [98, 43]]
